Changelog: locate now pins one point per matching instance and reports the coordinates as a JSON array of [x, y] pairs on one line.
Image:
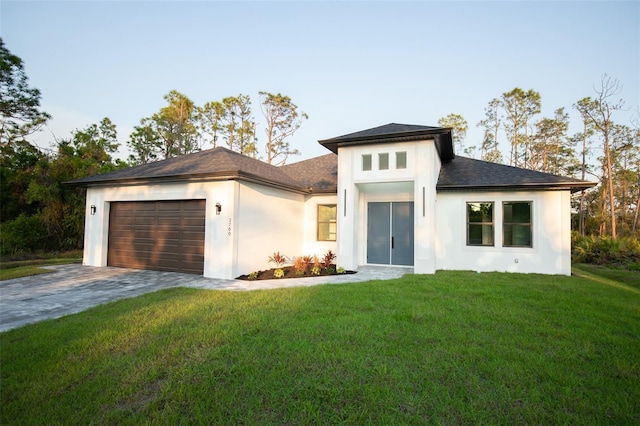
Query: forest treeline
[[38, 212]]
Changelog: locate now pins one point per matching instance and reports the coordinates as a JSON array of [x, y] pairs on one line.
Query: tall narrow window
[[366, 162], [516, 224], [383, 161], [480, 224], [327, 222]]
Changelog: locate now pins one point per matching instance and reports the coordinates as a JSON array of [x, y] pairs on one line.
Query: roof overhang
[[203, 177], [442, 137], [564, 186]]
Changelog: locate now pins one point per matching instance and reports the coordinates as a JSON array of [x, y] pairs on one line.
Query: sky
[[349, 65]]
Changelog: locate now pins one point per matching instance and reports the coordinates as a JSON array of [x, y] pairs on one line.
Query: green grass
[[21, 271], [10, 269], [622, 275], [453, 348]]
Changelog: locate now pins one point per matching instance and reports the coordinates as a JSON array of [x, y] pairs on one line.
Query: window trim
[[529, 224], [492, 223], [318, 222]]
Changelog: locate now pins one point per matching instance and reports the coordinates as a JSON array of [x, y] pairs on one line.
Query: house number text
[[229, 227]]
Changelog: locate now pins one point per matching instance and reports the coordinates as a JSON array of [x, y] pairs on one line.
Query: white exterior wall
[[551, 234], [269, 220], [311, 244], [414, 183], [255, 222], [218, 244]]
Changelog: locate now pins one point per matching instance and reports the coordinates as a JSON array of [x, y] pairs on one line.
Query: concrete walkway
[[74, 288]]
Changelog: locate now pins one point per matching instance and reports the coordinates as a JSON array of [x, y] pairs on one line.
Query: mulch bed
[[290, 272]]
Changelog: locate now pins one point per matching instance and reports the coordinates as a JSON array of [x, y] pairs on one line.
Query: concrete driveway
[[74, 288]]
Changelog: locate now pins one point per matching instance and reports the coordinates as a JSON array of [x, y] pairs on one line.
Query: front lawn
[[11, 267], [453, 348]]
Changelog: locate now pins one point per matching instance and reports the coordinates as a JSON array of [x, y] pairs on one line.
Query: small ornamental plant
[[278, 273], [300, 266], [341, 270], [315, 270], [328, 259], [278, 259], [331, 271], [307, 260], [253, 275]]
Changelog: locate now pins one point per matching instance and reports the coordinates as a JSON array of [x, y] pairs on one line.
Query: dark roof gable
[[475, 175], [394, 132], [217, 163]]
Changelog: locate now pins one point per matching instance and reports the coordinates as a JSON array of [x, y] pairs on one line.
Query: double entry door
[[390, 233]]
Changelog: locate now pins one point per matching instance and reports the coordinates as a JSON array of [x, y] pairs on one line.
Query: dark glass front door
[[390, 233]]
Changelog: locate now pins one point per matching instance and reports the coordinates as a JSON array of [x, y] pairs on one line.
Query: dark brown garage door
[[157, 235]]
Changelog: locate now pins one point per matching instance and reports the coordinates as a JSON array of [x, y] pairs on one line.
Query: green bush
[[25, 234], [605, 250]]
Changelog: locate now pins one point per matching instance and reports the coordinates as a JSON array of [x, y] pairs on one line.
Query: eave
[[564, 186], [202, 177]]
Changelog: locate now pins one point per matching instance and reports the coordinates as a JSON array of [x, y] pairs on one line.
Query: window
[[327, 222], [480, 224], [383, 161], [366, 162], [401, 160], [516, 224]]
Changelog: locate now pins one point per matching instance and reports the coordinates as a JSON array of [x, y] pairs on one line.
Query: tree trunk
[[612, 206]]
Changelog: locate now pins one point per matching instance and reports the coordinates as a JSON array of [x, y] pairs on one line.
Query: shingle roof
[[217, 163], [320, 174], [385, 130], [468, 174], [394, 132]]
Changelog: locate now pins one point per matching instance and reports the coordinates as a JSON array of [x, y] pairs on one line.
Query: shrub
[[25, 234], [253, 275], [315, 270], [299, 265], [278, 273], [328, 259], [278, 259], [605, 250], [341, 270]]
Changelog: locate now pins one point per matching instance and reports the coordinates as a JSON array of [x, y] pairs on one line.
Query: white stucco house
[[390, 195]]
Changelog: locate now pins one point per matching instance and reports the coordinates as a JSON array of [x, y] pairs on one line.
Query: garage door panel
[[158, 235]]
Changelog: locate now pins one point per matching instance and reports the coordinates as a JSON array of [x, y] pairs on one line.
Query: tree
[[459, 126], [238, 126], [551, 151], [584, 138], [519, 107], [168, 133], [282, 121], [489, 150], [20, 113], [62, 207], [145, 145], [599, 112], [18, 160], [210, 119], [625, 157]]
